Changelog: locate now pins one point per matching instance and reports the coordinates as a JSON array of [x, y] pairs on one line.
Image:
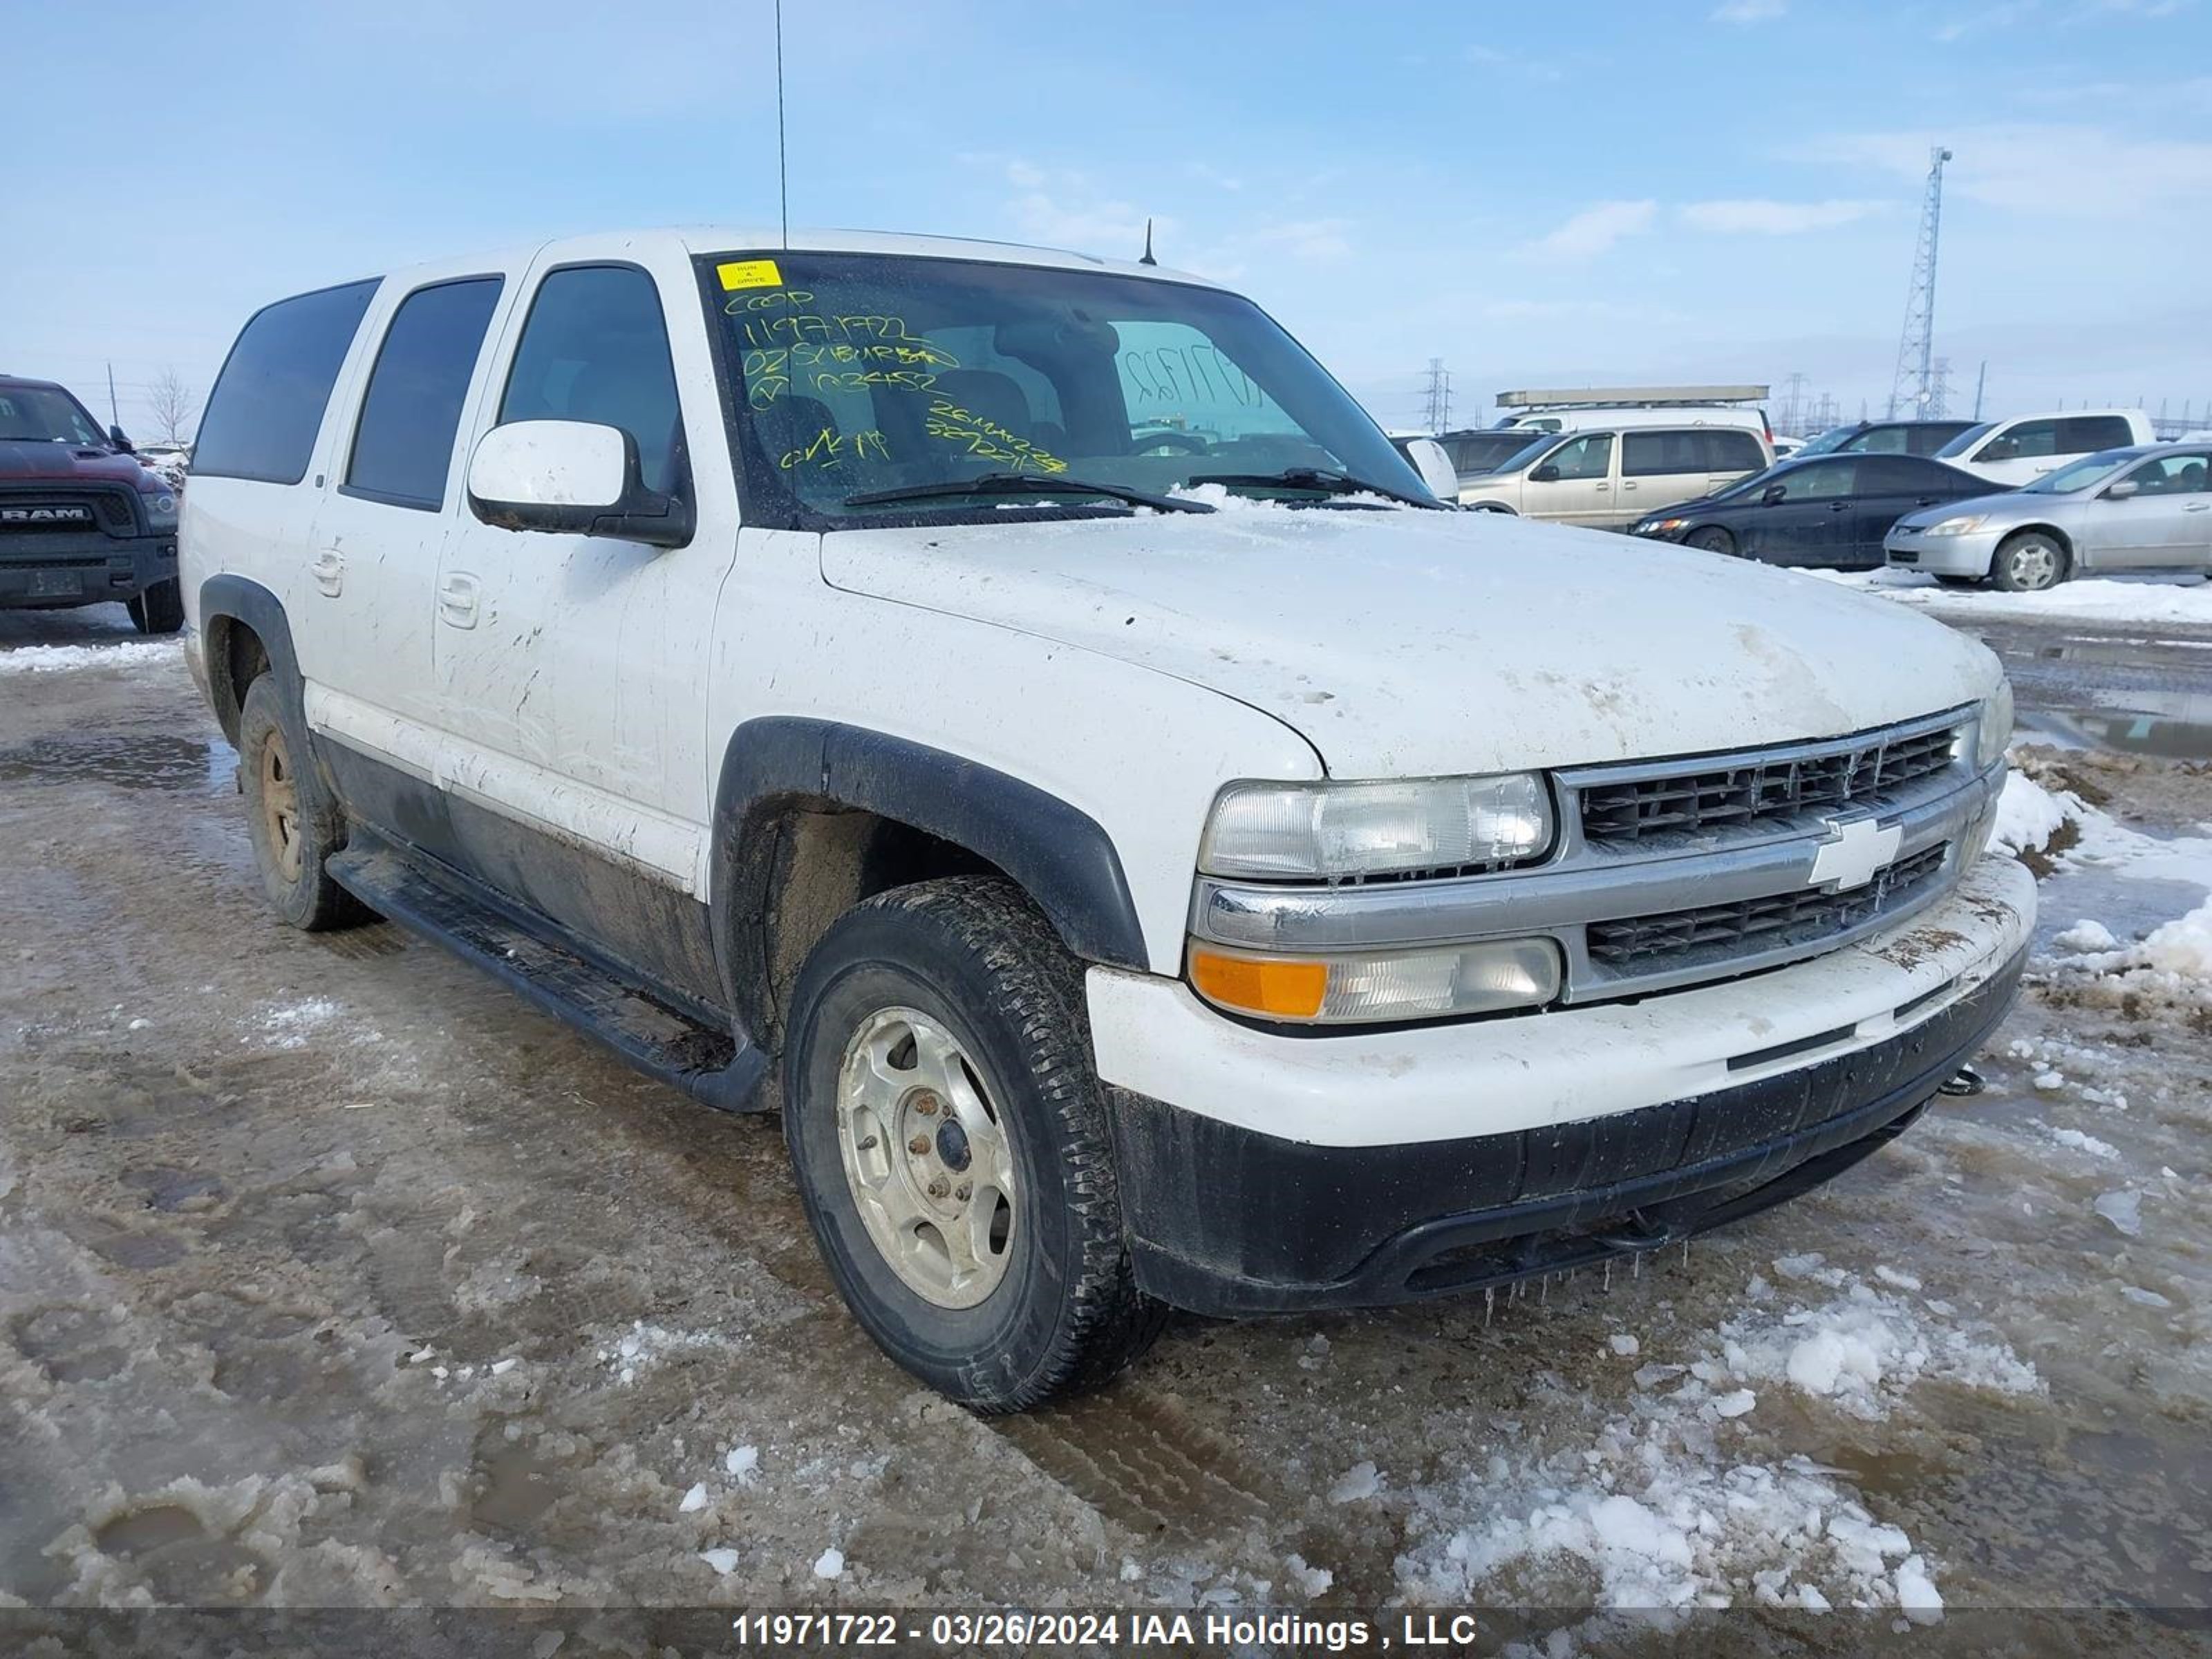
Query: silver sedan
[[2145, 508]]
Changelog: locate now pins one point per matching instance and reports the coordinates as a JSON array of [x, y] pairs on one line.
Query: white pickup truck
[[1014, 713]]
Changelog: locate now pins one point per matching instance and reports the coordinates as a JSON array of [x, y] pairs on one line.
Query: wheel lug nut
[[926, 1103], [936, 1187], [918, 1145], [965, 1191]]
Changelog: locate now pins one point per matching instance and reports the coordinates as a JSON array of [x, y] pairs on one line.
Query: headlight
[[1993, 730], [1397, 985], [1958, 526], [161, 510], [1339, 831], [1660, 526]]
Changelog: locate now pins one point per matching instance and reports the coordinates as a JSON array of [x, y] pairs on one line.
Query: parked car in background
[[2144, 507], [1886, 438], [1290, 896], [81, 521], [1427, 458], [172, 461], [2022, 449], [1484, 450], [1602, 479], [1783, 448], [1829, 511]]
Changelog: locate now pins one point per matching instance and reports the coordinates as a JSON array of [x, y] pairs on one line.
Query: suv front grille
[[1738, 791], [1776, 921]]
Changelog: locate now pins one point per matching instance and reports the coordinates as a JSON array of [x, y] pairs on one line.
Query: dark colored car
[[81, 520], [1474, 454], [1884, 438], [1831, 511]]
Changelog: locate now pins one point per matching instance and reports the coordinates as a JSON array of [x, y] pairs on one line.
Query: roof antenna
[[782, 173], [1148, 259]]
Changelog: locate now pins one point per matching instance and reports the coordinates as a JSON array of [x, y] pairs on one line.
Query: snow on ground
[[58, 659], [1672, 1503], [2102, 599]]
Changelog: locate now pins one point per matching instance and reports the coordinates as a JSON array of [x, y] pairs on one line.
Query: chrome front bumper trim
[[1561, 899]]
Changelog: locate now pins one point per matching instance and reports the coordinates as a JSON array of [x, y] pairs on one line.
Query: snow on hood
[[1411, 643]]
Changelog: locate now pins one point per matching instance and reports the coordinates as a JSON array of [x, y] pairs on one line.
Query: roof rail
[[1630, 397]]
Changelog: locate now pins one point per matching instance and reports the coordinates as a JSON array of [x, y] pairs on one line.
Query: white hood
[[1405, 643]]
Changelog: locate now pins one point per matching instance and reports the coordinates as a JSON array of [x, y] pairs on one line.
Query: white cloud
[[1594, 230], [2058, 170], [1764, 218], [1749, 11]]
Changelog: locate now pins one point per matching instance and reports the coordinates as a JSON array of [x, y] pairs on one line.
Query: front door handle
[[2198, 507], [1838, 507], [457, 600], [329, 571]]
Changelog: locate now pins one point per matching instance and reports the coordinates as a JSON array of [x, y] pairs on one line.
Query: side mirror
[[1434, 464], [572, 477], [115, 436], [1545, 474], [2122, 490], [1774, 493]]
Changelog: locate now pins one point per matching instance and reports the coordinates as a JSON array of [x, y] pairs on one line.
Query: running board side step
[[713, 1066]]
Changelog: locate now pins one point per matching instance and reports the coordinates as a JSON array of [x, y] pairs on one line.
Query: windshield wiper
[[1314, 477], [1024, 483]]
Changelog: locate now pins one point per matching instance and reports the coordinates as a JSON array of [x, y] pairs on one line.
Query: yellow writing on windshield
[[986, 438], [830, 447]]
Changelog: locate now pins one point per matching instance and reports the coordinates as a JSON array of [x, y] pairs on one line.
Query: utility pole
[[1909, 389], [1437, 405], [1981, 385], [113, 418]]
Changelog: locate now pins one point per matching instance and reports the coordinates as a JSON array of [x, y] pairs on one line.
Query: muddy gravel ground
[[332, 1275]]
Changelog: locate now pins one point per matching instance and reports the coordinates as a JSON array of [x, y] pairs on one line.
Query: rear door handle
[[1838, 507], [2198, 507], [457, 600], [329, 571]]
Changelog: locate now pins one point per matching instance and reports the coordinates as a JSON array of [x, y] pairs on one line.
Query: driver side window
[[1585, 458]]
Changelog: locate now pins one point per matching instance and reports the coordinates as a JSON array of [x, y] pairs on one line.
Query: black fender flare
[[235, 598], [1059, 854]]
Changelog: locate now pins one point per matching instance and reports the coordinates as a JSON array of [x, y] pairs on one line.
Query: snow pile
[[1662, 1508], [1650, 1516], [2029, 815], [643, 1346], [1861, 1350], [290, 1026], [2174, 962], [2145, 599], [60, 658]]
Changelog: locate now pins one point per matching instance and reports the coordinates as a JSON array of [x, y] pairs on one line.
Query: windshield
[[2085, 474], [1965, 440], [1831, 441], [40, 414], [878, 376]]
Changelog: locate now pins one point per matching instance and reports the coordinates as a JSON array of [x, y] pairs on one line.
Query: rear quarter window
[[268, 401], [1733, 452], [2086, 434]]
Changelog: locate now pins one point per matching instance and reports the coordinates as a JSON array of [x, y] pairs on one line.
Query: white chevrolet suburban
[[1013, 712]]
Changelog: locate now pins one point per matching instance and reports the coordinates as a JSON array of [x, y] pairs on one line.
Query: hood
[[1409, 643], [20, 459], [2006, 505]]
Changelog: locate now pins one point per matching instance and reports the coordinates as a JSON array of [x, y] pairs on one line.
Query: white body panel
[[1990, 457], [1412, 644]]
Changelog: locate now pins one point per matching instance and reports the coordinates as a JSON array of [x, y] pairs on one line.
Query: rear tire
[[952, 1149], [293, 822], [2029, 562], [1710, 539], [158, 609]]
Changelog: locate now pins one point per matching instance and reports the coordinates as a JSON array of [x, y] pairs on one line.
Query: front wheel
[[158, 609], [951, 1147], [1710, 539], [2028, 562]]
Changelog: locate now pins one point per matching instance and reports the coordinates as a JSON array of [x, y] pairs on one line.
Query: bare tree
[[174, 406]]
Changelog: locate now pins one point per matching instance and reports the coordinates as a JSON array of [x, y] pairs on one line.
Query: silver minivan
[[1608, 478]]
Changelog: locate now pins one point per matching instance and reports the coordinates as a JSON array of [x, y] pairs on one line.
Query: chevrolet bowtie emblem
[[1855, 850]]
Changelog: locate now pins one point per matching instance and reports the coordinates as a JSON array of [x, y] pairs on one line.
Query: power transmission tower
[[1909, 390], [1793, 401], [1437, 409], [1937, 404]]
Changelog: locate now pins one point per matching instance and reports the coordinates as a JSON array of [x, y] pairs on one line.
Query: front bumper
[[1942, 555], [1263, 1173], [39, 572]]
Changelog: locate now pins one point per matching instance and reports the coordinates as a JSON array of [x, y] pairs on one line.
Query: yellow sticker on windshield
[[748, 273]]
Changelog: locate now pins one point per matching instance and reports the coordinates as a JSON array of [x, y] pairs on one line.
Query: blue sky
[[1722, 190]]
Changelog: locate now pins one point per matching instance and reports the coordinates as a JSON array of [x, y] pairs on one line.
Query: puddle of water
[[2125, 730], [150, 760], [141, 1532]]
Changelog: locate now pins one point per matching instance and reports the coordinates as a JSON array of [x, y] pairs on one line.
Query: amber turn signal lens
[[1288, 990]]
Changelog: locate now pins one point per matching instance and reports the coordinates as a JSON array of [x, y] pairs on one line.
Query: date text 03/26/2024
[[1123, 1632]]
